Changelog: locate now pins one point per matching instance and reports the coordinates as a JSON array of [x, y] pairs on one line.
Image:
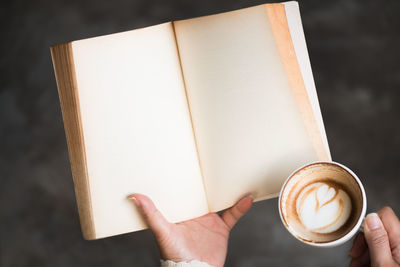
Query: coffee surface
[[323, 207]]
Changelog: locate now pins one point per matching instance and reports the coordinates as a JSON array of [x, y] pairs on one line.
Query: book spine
[[63, 62]]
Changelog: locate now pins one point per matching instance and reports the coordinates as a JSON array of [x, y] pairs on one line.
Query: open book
[[194, 113]]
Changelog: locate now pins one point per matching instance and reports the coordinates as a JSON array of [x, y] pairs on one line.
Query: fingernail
[[134, 199], [373, 222], [251, 195]]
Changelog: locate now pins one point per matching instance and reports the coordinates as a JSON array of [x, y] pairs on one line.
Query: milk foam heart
[[322, 208]]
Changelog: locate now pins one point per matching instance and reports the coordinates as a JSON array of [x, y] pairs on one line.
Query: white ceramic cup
[[360, 217]]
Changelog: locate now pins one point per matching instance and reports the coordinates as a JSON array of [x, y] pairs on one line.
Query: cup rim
[[355, 228]]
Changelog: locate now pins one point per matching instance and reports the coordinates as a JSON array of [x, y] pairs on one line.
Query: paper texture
[[137, 129], [249, 132]]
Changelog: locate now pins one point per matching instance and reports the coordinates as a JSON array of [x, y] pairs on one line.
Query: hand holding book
[[204, 238]]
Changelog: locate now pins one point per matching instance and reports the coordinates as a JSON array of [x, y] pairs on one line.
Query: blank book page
[[137, 130], [249, 132]]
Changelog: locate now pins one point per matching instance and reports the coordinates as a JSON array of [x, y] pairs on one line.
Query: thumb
[[153, 217], [233, 214], [377, 240]]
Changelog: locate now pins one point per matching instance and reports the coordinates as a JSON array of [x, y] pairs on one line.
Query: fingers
[[377, 240], [233, 214], [153, 217], [359, 246], [392, 226]]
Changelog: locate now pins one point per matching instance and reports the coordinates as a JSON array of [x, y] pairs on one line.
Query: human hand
[[204, 238], [380, 243]]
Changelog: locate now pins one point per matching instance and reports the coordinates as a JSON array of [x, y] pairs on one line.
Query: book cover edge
[[64, 70], [280, 29]]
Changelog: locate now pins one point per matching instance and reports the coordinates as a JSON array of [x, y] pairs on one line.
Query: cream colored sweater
[[194, 263]]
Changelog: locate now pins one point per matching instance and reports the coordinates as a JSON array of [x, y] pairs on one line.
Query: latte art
[[323, 208]]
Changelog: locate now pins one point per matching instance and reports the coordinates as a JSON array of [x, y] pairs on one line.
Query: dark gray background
[[354, 51]]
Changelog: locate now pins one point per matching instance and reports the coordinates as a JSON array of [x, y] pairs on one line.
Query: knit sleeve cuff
[[193, 263]]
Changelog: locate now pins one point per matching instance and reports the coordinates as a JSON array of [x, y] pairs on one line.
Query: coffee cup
[[322, 204]]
